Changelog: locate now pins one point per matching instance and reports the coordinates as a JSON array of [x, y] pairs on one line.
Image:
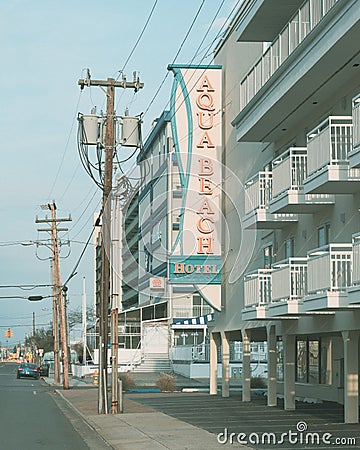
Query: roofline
[[161, 121]]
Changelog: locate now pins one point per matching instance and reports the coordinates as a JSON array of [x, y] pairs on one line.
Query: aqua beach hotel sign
[[196, 123]]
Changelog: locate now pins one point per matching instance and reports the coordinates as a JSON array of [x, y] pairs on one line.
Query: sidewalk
[[139, 427]]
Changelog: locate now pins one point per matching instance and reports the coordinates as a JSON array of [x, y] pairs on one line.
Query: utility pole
[[110, 85], [33, 350], [57, 284], [83, 303], [55, 328]]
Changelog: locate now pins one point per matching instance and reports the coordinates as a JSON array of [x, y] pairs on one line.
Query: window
[[200, 307], [301, 361], [308, 361], [324, 235]]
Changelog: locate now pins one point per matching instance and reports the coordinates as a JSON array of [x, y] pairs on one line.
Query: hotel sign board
[[196, 121]]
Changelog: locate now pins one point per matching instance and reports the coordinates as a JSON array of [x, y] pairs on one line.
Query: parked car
[[44, 370], [26, 369]]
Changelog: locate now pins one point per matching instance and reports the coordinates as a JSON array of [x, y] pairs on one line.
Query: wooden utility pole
[[55, 327], [105, 290], [57, 285]]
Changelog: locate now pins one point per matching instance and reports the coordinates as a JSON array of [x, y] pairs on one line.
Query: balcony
[[288, 287], [257, 294], [354, 290], [329, 277], [295, 31], [191, 311], [257, 201], [261, 22], [308, 61], [289, 171], [354, 154], [328, 164]]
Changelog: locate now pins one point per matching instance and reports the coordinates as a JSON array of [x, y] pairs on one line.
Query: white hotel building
[[291, 134]]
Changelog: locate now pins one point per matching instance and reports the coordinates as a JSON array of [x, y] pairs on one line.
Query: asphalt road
[[33, 416]]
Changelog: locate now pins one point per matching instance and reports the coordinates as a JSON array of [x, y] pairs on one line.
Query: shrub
[[127, 381], [166, 382], [258, 383]]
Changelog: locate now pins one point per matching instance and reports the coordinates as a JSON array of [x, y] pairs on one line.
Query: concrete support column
[[213, 363], [351, 377], [225, 365], [271, 341], [289, 372], [246, 370]]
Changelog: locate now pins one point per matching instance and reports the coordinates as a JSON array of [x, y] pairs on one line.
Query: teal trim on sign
[[193, 66], [184, 177], [195, 269]]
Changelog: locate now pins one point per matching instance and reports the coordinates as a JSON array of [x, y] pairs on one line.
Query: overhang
[[323, 65], [261, 21]]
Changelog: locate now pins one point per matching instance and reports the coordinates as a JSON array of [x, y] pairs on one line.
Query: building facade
[[291, 136]]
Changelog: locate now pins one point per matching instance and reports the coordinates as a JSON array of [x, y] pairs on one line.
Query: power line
[[66, 147], [177, 54], [26, 286], [196, 52], [140, 36], [73, 272]]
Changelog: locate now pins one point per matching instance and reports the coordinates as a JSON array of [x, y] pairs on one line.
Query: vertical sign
[[196, 117]]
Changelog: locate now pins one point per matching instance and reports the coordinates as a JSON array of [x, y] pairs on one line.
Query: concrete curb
[[84, 418]]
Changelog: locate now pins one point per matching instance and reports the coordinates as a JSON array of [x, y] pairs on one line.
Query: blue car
[[28, 370]]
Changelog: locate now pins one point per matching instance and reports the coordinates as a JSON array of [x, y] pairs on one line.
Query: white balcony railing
[[356, 259], [194, 311], [356, 122], [289, 170], [329, 143], [329, 268], [259, 191], [257, 287], [300, 25], [289, 280]]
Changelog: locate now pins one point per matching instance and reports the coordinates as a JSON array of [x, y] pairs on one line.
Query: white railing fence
[[329, 143], [257, 287], [289, 280], [329, 268], [258, 191], [356, 122], [191, 311], [289, 170], [299, 26], [356, 259]]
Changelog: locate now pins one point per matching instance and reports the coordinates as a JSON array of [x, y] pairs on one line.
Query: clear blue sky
[[45, 47]]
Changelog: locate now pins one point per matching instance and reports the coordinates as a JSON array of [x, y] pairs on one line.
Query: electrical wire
[[90, 217], [84, 211], [25, 287], [163, 82], [83, 151], [120, 72], [140, 36], [176, 55], [73, 272], [66, 147], [196, 52]]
